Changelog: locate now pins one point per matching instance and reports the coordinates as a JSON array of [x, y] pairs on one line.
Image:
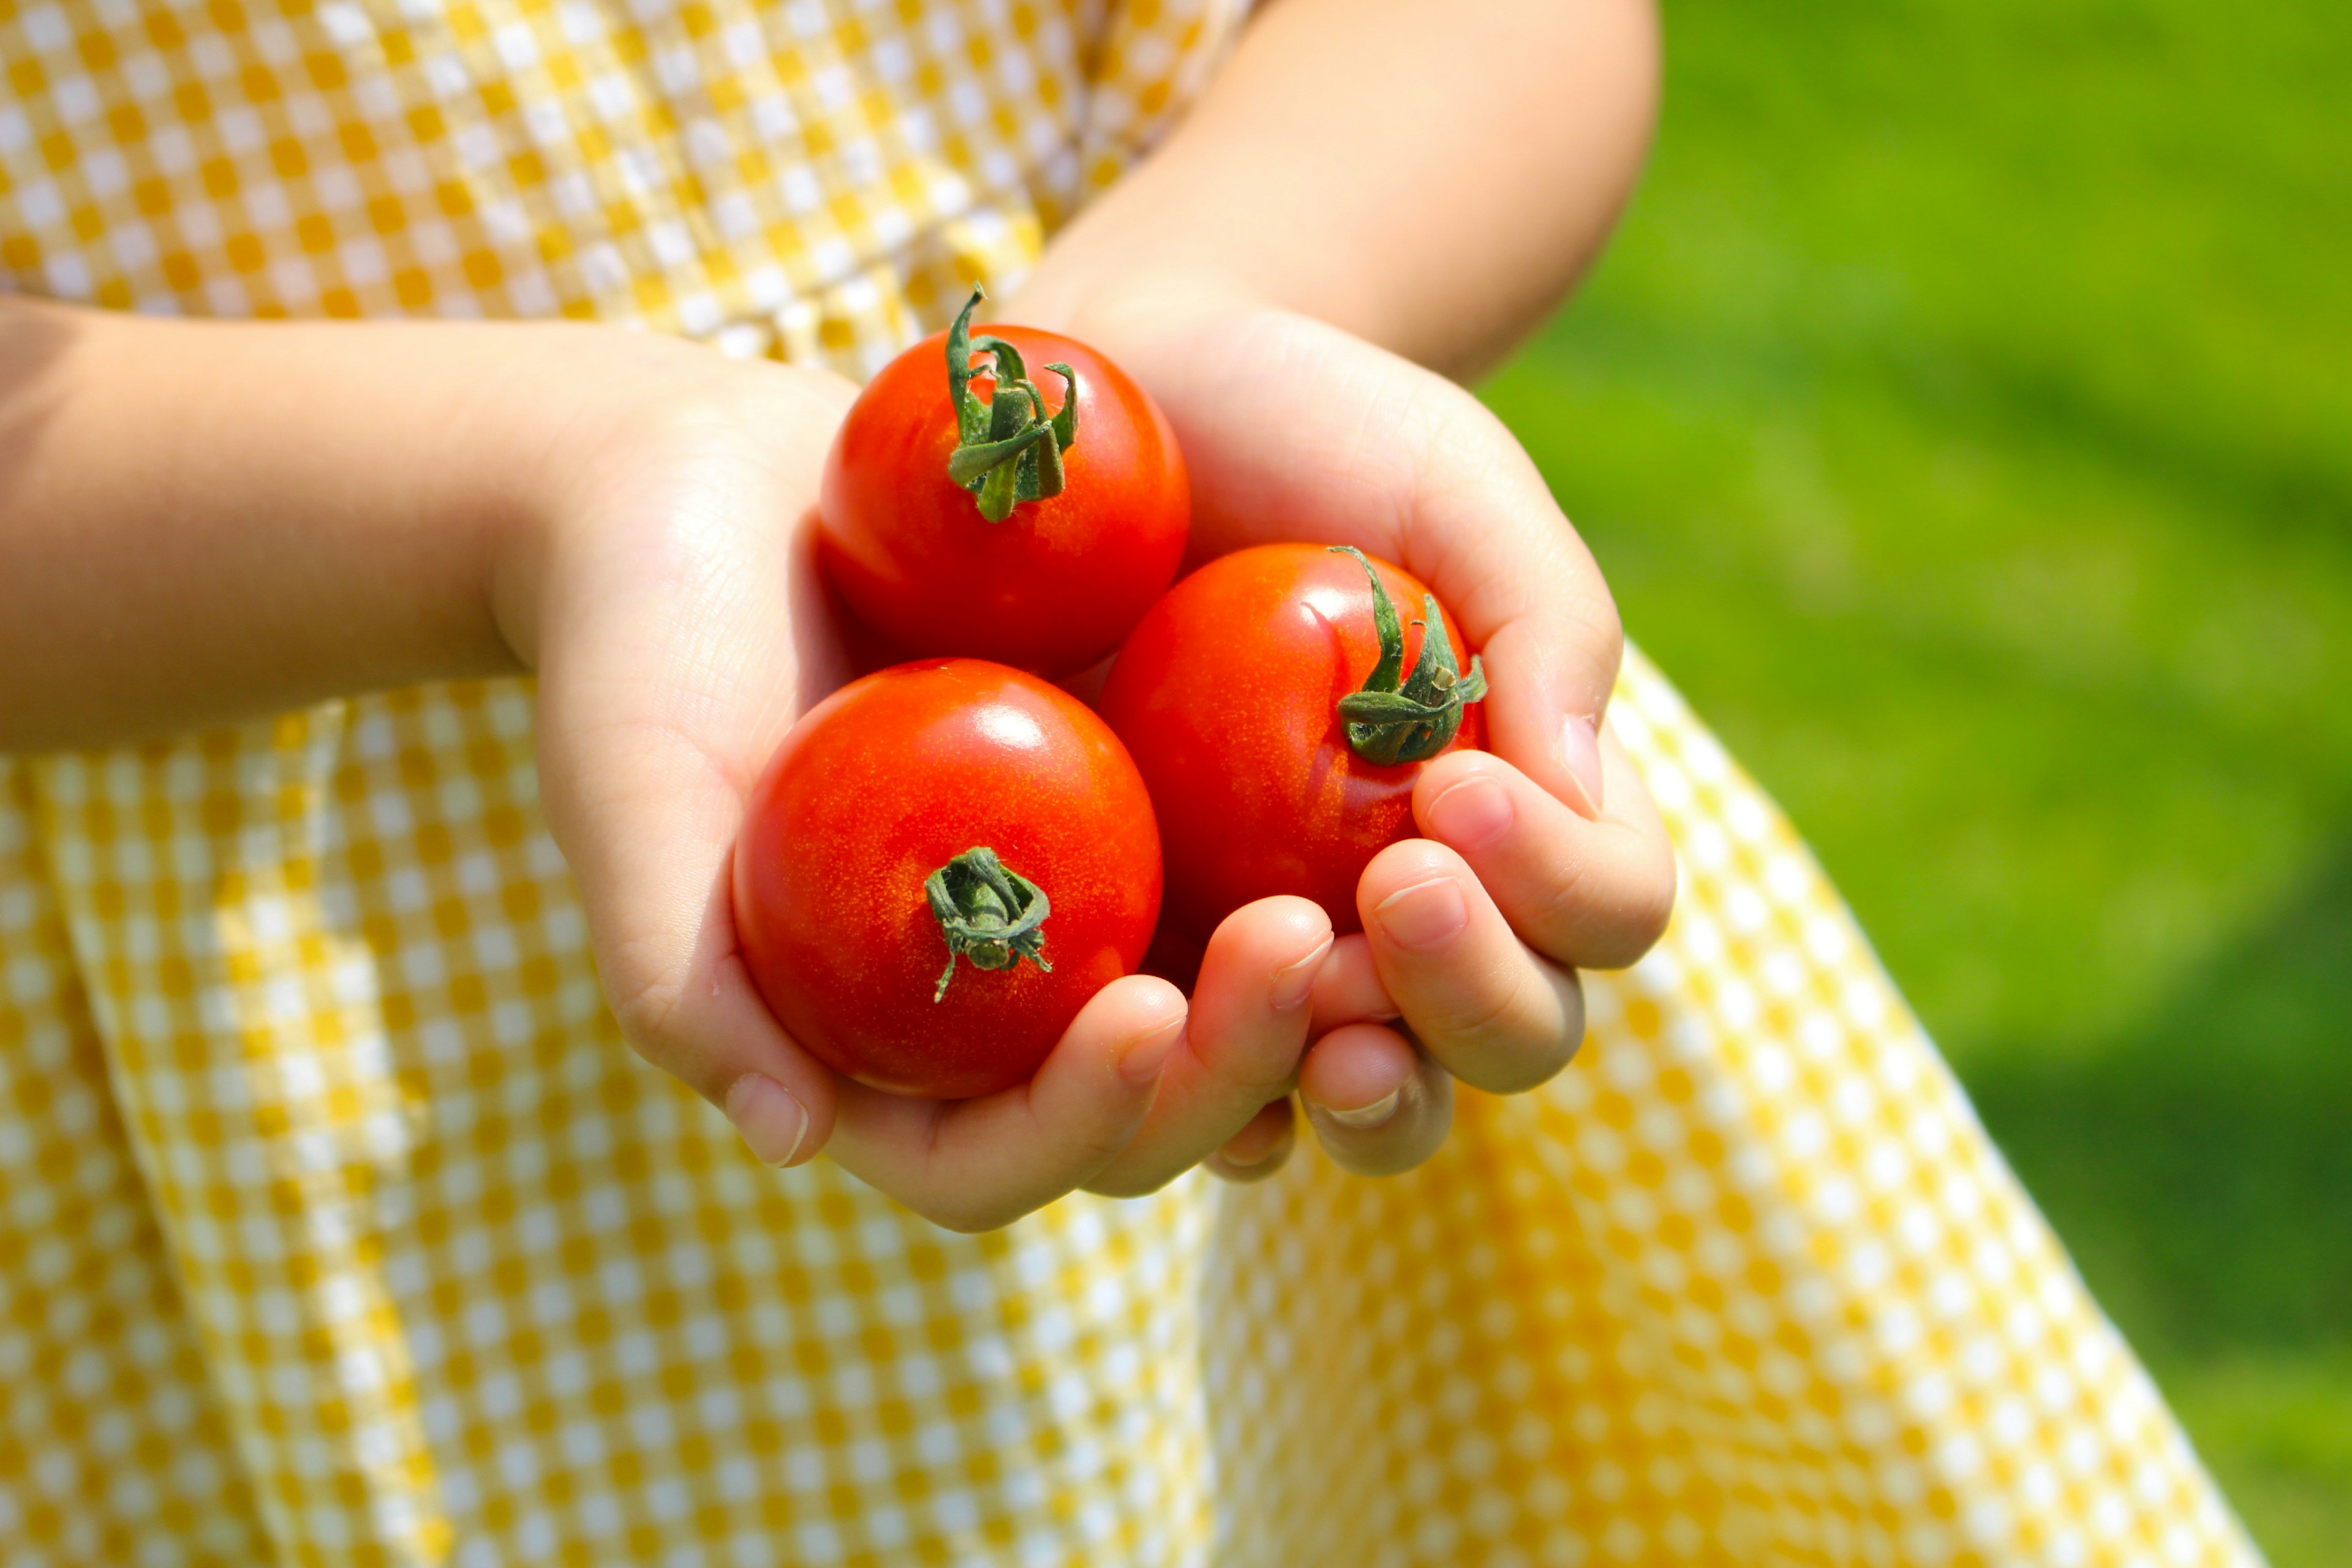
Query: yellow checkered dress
[[338, 1227]]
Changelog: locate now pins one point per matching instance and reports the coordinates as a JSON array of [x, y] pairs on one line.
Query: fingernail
[[1580, 753], [1148, 1052], [1255, 1160], [1272, 1151], [1473, 814], [772, 1122], [1423, 915], [1293, 984], [1364, 1118]]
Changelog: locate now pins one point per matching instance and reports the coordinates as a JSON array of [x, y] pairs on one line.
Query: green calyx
[[987, 913], [1410, 719], [1007, 450]]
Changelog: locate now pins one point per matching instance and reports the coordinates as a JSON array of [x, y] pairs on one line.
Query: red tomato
[[1092, 500], [1228, 697], [897, 856]]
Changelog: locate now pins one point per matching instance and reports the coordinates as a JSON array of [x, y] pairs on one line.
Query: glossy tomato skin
[[881, 784], [1054, 586], [1227, 697]]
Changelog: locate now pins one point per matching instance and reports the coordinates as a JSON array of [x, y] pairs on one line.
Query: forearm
[[201, 522], [1426, 174]]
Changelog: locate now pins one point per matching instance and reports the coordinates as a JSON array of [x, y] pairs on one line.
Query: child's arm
[[1429, 175], [1425, 176], [202, 523]]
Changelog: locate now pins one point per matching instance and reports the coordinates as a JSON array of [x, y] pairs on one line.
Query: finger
[[670, 964], [712, 1030], [668, 958], [1378, 1106], [682, 564], [1348, 988], [1260, 1148], [1243, 1041], [1498, 1016], [1293, 429], [1588, 894], [976, 1164]]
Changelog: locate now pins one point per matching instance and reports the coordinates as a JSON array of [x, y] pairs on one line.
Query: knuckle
[[1481, 1018], [1603, 916], [1253, 1068], [645, 994], [1084, 1140], [965, 1208], [1643, 912], [1139, 1183], [1565, 1038], [969, 1209], [1561, 909], [1600, 637], [1097, 1148], [966, 1218], [1606, 624], [1654, 908], [1261, 1077], [1518, 1075], [1510, 1041]]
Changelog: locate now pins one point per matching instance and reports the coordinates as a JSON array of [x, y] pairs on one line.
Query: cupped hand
[[1542, 855], [669, 599]]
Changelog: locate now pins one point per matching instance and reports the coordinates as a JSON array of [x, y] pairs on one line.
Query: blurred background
[[1963, 418]]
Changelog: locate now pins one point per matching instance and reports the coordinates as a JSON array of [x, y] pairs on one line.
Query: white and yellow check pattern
[[336, 1226]]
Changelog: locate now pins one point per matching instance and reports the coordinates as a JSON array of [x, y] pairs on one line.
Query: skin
[[205, 521], [1056, 586]]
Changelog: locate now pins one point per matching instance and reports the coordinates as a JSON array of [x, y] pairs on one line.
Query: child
[[338, 1227]]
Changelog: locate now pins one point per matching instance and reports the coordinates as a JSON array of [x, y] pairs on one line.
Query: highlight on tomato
[[984, 511], [1280, 711], [939, 867]]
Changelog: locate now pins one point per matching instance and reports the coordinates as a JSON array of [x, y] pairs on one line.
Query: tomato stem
[[988, 913], [1007, 450], [1392, 720]]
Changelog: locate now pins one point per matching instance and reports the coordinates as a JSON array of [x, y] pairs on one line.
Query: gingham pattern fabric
[[338, 1227], [807, 178]]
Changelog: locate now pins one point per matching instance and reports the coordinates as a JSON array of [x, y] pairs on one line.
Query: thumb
[[1294, 430]]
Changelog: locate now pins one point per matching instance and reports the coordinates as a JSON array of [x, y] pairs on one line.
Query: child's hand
[[206, 522], [671, 604], [630, 517], [1541, 856]]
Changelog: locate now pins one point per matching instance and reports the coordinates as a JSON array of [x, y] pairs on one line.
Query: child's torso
[[338, 1224], [810, 179]]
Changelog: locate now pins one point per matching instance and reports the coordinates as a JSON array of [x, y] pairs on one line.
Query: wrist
[[647, 467], [577, 421], [212, 519]]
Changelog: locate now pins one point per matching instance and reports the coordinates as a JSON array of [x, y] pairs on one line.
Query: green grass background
[[1963, 418]]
